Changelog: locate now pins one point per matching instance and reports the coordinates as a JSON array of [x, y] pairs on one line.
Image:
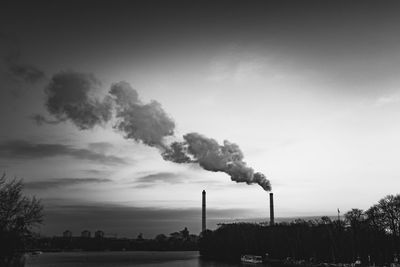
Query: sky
[[308, 90]]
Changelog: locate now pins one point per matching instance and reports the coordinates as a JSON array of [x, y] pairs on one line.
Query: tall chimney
[[271, 209], [203, 212]]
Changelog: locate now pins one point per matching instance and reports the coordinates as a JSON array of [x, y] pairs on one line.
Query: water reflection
[[124, 259]]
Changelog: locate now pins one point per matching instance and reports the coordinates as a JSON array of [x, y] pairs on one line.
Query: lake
[[123, 259]]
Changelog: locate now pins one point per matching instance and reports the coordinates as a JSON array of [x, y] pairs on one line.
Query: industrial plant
[[204, 211]]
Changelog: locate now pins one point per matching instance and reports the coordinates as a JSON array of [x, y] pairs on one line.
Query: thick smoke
[[211, 156], [147, 123], [70, 97]]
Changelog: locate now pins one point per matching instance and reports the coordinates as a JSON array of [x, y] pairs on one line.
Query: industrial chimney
[[271, 209], [203, 212]]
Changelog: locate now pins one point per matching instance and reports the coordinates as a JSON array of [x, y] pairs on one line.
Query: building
[[99, 234], [67, 234], [85, 234]]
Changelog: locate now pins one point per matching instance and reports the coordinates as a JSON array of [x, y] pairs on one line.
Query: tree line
[[20, 215], [177, 241], [371, 236]]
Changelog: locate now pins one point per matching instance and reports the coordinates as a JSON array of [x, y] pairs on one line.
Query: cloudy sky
[[309, 91]]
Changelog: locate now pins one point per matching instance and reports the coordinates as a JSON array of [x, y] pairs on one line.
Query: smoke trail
[[70, 96], [211, 156], [147, 123]]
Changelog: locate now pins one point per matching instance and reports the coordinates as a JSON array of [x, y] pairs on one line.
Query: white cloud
[[386, 100]]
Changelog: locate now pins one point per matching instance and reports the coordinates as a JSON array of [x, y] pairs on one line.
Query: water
[[123, 259]]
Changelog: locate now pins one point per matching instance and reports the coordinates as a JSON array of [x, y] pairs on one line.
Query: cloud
[[40, 119], [163, 177], [26, 150], [62, 182], [97, 172], [128, 221], [27, 73], [11, 59], [387, 100], [101, 146], [238, 68]]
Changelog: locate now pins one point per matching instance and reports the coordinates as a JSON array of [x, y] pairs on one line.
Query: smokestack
[[203, 212], [271, 209]]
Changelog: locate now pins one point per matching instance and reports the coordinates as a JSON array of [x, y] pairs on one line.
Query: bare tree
[[18, 215], [375, 218], [354, 217]]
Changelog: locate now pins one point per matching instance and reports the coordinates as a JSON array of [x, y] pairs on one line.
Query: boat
[[251, 259]]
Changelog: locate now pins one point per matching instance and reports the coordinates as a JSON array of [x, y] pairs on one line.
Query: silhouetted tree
[[140, 237], [18, 215], [161, 238], [355, 218], [185, 233], [389, 207], [375, 218]]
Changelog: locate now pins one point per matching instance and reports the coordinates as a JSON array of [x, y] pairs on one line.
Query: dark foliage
[[18, 215], [178, 241], [372, 236]]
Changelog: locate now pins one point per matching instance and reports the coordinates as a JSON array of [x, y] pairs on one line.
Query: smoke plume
[[147, 123], [70, 96], [211, 156]]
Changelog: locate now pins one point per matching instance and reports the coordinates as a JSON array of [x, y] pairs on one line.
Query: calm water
[[123, 259]]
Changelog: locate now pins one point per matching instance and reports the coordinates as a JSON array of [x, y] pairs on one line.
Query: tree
[[140, 237], [18, 216], [390, 208], [375, 218], [354, 217], [185, 233]]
